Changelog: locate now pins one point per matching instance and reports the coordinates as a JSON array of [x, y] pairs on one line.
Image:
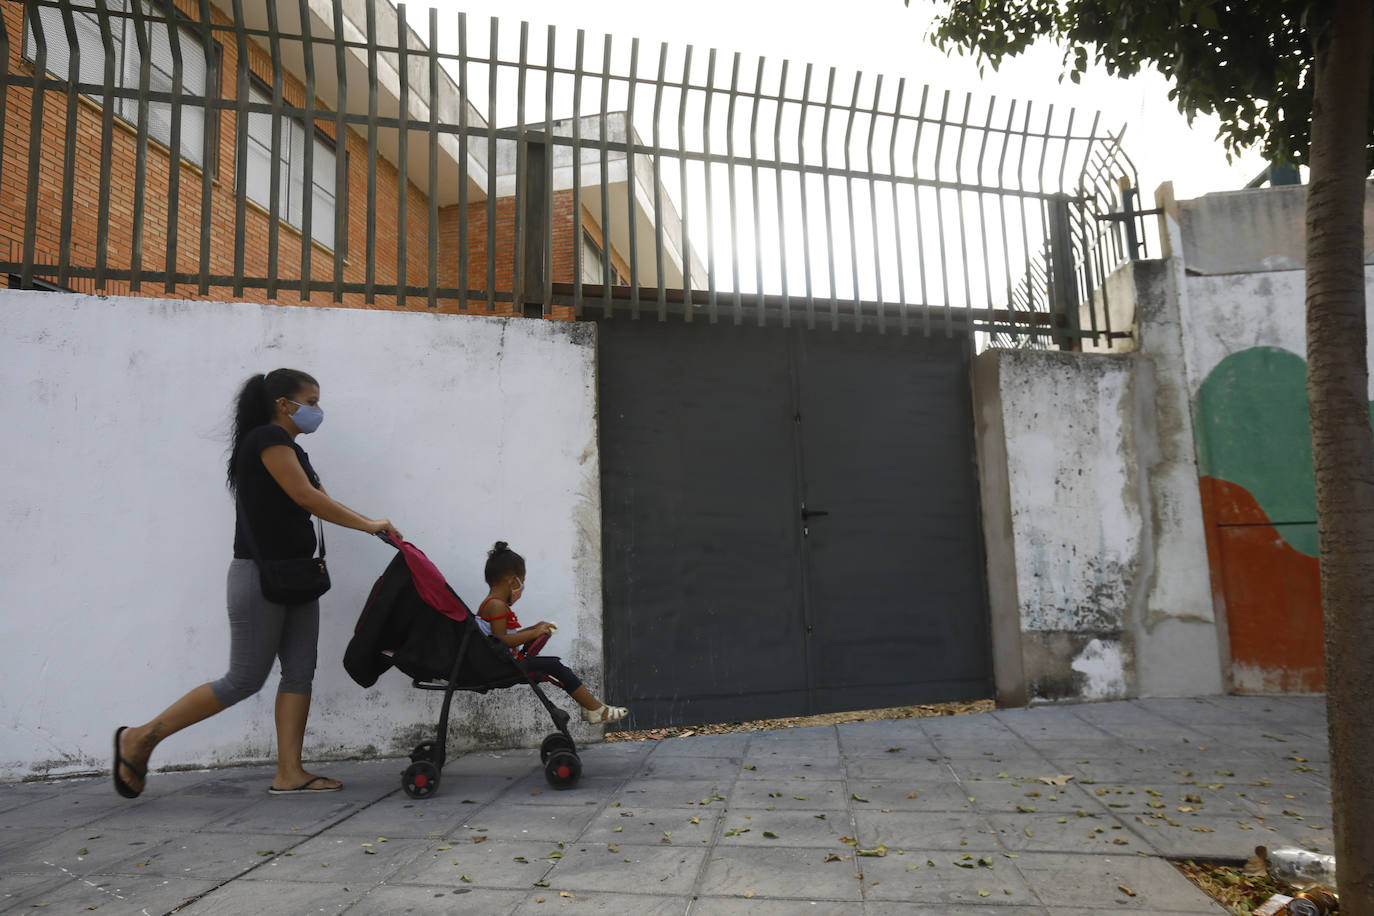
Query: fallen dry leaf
[[1060, 779]]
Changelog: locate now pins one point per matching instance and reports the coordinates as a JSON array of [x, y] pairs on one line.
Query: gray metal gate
[[790, 522]]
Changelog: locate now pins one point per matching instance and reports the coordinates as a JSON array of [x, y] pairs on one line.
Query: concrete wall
[[1092, 517], [1238, 260], [117, 526]]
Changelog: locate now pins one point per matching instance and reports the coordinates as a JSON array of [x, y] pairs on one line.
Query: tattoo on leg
[[154, 735]]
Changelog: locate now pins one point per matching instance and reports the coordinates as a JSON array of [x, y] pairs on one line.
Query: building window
[[591, 259], [196, 65], [291, 164], [592, 264]]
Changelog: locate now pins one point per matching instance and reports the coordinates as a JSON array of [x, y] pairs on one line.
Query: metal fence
[[347, 161]]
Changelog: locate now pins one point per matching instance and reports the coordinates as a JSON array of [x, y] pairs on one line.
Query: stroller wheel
[[556, 741], [421, 779], [562, 769], [423, 751]]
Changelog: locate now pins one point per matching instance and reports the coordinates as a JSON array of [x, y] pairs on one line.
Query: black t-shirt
[[282, 529]]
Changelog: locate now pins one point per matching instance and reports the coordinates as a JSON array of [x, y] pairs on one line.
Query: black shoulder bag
[[292, 581]]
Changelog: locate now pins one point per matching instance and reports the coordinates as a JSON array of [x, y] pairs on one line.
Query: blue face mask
[[307, 418]]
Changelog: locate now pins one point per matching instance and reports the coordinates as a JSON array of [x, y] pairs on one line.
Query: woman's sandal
[[122, 787], [306, 788], [604, 715]]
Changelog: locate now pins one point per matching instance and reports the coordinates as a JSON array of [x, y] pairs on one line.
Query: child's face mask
[[517, 590]]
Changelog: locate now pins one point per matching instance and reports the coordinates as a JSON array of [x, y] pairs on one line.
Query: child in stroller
[[505, 575], [414, 621]]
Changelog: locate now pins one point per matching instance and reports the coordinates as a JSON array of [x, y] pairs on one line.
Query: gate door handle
[[813, 513]]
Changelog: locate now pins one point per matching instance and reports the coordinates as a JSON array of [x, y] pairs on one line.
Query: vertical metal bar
[[631, 185], [580, 48], [730, 185], [173, 154], [432, 231], [658, 180], [896, 208], [1064, 156], [402, 151], [1045, 230], [141, 147], [551, 150], [1021, 206], [370, 282], [849, 200], [982, 212], [940, 210], [873, 208], [687, 310], [1128, 208], [40, 71], [492, 76], [210, 119], [1002, 209], [782, 210], [463, 222], [710, 222], [241, 140], [521, 163], [308, 179], [102, 219], [829, 227], [275, 207], [69, 145], [754, 186], [341, 164], [806, 221], [605, 180], [959, 199], [920, 226]]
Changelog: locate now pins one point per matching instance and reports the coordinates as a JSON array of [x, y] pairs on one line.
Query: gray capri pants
[[260, 631]]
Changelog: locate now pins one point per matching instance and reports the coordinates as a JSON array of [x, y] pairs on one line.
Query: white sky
[[875, 36]]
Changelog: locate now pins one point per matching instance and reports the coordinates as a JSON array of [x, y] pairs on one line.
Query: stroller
[[414, 621]]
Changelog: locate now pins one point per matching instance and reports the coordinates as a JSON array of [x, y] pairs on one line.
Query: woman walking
[[277, 492]]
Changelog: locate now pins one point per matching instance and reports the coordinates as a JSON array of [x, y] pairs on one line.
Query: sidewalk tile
[[786, 872], [1097, 881], [911, 877], [922, 831], [647, 825], [752, 827], [665, 869], [409, 900]]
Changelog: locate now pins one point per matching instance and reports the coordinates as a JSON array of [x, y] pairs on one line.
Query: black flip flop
[[122, 787], [304, 788]]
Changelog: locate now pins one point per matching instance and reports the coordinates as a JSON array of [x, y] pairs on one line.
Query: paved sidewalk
[[756, 823]]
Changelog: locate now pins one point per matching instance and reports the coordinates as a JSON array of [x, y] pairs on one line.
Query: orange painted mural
[[1254, 452]]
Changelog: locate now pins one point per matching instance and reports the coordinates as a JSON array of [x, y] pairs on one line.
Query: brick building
[[71, 166]]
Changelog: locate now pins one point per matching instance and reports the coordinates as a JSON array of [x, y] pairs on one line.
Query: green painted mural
[[1254, 451], [1252, 430]]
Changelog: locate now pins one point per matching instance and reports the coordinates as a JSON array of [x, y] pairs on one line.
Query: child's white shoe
[[604, 715]]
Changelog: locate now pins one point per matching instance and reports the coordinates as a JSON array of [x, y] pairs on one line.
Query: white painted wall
[[117, 528], [1064, 572], [1107, 570]]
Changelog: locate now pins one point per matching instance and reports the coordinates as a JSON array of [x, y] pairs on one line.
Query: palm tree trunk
[[1342, 445]]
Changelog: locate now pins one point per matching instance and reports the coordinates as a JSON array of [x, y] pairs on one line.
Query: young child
[[505, 574]]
